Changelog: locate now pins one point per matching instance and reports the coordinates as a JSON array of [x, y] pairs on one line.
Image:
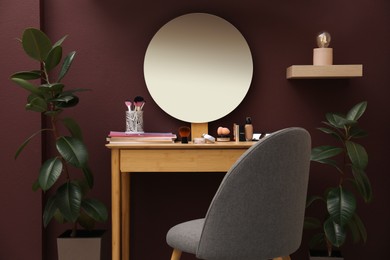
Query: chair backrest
[[258, 210]]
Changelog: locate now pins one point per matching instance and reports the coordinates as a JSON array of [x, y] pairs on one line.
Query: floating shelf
[[327, 71]]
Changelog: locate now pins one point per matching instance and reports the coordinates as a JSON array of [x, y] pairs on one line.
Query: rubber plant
[[66, 177], [349, 160]]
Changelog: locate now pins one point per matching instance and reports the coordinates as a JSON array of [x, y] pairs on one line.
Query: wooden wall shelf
[[328, 71]]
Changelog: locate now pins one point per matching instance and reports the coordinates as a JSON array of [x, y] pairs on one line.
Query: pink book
[[146, 134]]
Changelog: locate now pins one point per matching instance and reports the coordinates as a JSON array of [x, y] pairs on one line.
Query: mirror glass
[[198, 68]]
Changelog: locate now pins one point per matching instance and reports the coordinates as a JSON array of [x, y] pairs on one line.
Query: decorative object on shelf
[[135, 117], [323, 64], [184, 132], [350, 160], [223, 134], [66, 192], [323, 55]]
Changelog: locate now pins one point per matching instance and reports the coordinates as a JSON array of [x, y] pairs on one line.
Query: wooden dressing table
[[157, 157]]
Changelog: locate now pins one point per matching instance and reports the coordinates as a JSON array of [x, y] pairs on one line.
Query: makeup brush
[[128, 104], [138, 102], [142, 106]]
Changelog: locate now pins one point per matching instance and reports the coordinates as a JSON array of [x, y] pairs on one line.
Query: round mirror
[[198, 68]]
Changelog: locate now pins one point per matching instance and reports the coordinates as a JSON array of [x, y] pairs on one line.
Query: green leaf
[[73, 127], [358, 229], [86, 221], [59, 217], [73, 151], [95, 209], [327, 130], [36, 186], [357, 111], [88, 176], [363, 184], [334, 232], [68, 200], [320, 153], [53, 58], [337, 133], [27, 75], [20, 149], [311, 199], [330, 162], [318, 240], [55, 88], [312, 223], [66, 65], [60, 41], [341, 205], [339, 121], [36, 44], [28, 86], [50, 172], [66, 101], [37, 104], [357, 154], [49, 211], [356, 132]]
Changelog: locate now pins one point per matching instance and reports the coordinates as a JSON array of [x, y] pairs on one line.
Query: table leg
[[115, 204], [125, 215]]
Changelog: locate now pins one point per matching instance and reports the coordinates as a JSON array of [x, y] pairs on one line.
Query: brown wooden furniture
[[156, 157], [326, 71]]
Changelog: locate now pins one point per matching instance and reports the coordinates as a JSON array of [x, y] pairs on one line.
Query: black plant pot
[[323, 255], [91, 245]]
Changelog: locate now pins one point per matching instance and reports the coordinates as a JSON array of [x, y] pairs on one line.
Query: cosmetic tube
[[248, 129]]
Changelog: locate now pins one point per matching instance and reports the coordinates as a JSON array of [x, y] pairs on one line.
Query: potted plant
[[339, 200], [65, 177]]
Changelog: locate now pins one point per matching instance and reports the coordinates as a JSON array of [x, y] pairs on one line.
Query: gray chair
[[258, 209]]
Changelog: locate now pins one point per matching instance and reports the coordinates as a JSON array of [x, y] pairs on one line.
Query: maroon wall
[[111, 38], [20, 217]]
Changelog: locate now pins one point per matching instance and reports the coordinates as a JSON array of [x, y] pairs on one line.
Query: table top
[[178, 145]]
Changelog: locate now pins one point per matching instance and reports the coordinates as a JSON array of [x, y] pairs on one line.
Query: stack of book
[[147, 137]]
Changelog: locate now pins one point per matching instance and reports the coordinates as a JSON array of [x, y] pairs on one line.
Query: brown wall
[[20, 217], [111, 38]]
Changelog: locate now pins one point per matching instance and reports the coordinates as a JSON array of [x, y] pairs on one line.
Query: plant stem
[[74, 230], [328, 246]]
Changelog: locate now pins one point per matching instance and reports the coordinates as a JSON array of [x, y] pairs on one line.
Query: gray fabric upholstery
[[258, 210], [186, 235]]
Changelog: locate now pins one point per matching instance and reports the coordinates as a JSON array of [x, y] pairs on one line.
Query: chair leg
[[283, 258], [176, 254]]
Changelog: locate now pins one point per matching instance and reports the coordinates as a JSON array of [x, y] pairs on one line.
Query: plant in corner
[[349, 160], [66, 175]]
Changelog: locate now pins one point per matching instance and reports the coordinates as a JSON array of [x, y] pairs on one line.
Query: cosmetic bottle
[[248, 129], [236, 132]]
